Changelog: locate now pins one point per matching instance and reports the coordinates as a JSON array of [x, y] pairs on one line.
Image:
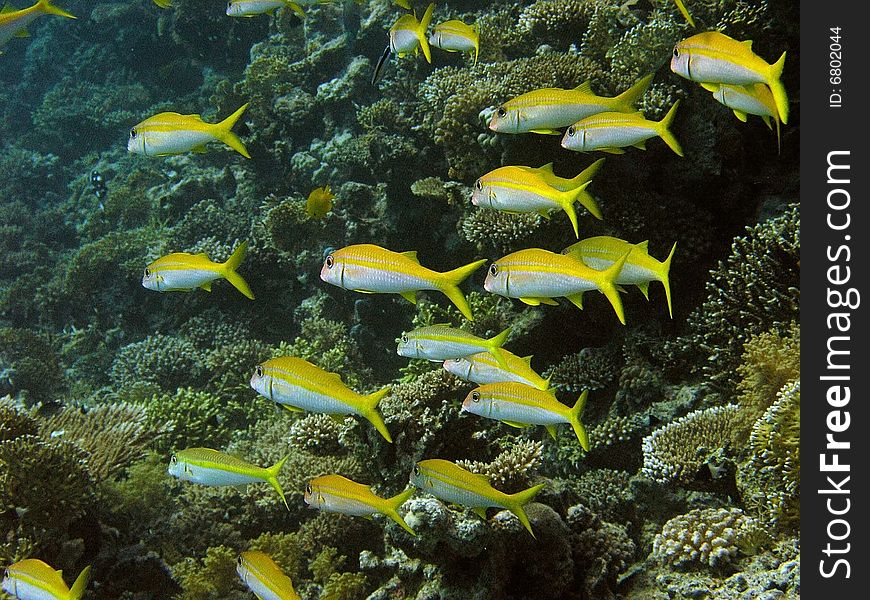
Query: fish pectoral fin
[[741, 115], [369, 517], [338, 418], [516, 424], [621, 289], [551, 429], [480, 512], [206, 286], [546, 131], [364, 291], [710, 87], [409, 296], [412, 254], [545, 214], [767, 122], [612, 150], [289, 407], [644, 288]]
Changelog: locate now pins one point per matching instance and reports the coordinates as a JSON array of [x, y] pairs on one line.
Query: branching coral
[[601, 551], [503, 232], [28, 363], [511, 470]]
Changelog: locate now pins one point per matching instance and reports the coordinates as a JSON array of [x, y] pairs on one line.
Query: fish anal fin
[[644, 288], [612, 150], [206, 286], [480, 512], [546, 131], [409, 296], [741, 115], [577, 300], [539, 301], [516, 424], [641, 144], [551, 429]]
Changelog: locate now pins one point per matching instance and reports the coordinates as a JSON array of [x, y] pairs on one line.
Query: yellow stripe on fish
[[372, 269], [548, 109], [743, 100], [14, 23], [253, 8], [536, 276], [713, 57], [640, 268], [170, 133], [450, 482], [521, 405], [299, 385], [33, 579], [482, 368], [456, 36], [440, 342], [182, 271], [408, 34], [263, 577], [206, 466], [335, 493], [612, 131], [520, 189]]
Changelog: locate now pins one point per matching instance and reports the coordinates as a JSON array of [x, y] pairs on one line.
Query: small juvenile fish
[[319, 202], [440, 342], [520, 405], [170, 133], [32, 579], [407, 34], [449, 482], [335, 493], [371, 269], [640, 268], [253, 8], [536, 276], [755, 99], [456, 36], [482, 368], [611, 132], [298, 385], [713, 57], [182, 271], [13, 23], [520, 190], [263, 577], [214, 468], [548, 109]]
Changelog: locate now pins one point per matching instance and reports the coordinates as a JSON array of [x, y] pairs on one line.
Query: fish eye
[[132, 133], [478, 184], [571, 131], [147, 272], [404, 339], [173, 460], [239, 560], [501, 112], [676, 52], [475, 396], [308, 489], [259, 370], [417, 470], [493, 270], [330, 261]]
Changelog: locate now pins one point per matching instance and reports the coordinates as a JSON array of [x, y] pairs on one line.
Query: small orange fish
[[319, 202]]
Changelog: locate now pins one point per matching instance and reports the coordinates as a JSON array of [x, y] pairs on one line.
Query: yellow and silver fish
[[536, 276], [253, 8], [13, 23], [298, 385], [482, 368], [408, 34], [182, 271], [335, 493], [263, 577], [548, 109], [612, 131], [214, 468], [518, 189], [521, 405], [640, 268], [450, 482], [171, 133], [456, 36], [32, 579], [372, 269], [440, 342], [713, 57], [744, 100]]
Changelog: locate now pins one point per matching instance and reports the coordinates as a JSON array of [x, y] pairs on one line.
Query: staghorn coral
[[503, 232], [512, 469], [711, 537], [678, 451], [769, 481]]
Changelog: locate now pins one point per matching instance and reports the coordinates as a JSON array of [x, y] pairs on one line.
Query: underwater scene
[[384, 299]]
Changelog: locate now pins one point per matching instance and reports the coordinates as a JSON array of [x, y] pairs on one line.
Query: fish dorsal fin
[[528, 359], [412, 254], [201, 255], [644, 245], [334, 377], [748, 44], [547, 168], [585, 87]]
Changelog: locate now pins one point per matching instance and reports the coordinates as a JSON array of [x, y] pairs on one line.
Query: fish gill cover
[[690, 482]]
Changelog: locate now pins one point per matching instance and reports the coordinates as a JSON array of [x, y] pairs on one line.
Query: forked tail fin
[[629, 97], [777, 89], [516, 503], [78, 588], [392, 508], [273, 478], [374, 416], [449, 286], [421, 32], [223, 131], [47, 7], [230, 273], [665, 132]]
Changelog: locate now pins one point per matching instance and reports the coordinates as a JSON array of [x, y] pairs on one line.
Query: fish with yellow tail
[[536, 276], [371, 269], [263, 577], [744, 100], [440, 342], [547, 110], [298, 385], [319, 202], [482, 368], [14, 23], [520, 405], [640, 268], [519, 189], [612, 131], [206, 466], [170, 133], [32, 579], [334, 493], [253, 8], [456, 36], [449, 482], [183, 272], [713, 57], [408, 34]]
